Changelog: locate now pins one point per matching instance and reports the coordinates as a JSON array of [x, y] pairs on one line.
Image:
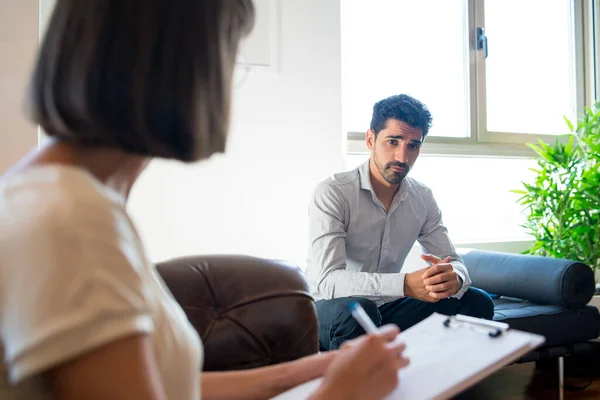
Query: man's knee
[[336, 324], [477, 303], [341, 308], [370, 308]]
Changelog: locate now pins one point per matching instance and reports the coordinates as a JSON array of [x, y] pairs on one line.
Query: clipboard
[[447, 356]]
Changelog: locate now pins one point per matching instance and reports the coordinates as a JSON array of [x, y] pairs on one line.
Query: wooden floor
[[525, 381]]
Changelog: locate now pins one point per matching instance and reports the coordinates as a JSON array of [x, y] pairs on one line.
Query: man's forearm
[[373, 286]]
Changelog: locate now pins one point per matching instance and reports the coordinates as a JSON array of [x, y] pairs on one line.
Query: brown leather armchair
[[249, 312]]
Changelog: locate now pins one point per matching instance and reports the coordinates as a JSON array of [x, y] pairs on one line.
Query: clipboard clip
[[493, 329]]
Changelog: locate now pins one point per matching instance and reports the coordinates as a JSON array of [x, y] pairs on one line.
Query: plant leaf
[[517, 191], [569, 124]]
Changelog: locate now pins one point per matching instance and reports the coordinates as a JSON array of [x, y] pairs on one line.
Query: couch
[[542, 295], [249, 312]]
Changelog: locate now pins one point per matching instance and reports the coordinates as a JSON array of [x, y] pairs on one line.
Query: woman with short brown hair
[[83, 314]]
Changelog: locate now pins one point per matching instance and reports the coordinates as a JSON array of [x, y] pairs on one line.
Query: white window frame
[[592, 49], [482, 142]]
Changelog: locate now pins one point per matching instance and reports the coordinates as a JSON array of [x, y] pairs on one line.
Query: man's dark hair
[[403, 108], [150, 77]]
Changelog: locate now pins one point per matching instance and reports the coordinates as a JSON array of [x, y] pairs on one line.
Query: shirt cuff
[[466, 283], [392, 286]]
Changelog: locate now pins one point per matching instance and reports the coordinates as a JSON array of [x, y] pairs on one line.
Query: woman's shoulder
[[54, 194], [73, 273], [47, 208], [65, 220]]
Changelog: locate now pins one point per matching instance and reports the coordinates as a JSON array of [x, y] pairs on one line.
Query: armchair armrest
[[543, 280], [249, 312]]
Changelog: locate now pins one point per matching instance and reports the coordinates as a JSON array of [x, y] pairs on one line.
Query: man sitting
[[363, 223]]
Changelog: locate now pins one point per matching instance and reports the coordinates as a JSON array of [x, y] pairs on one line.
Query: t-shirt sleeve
[[71, 279]]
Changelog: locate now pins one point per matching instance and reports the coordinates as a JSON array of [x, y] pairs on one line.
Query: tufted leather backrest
[[249, 312]]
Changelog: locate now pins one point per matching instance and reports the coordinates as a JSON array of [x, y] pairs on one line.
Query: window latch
[[482, 43]]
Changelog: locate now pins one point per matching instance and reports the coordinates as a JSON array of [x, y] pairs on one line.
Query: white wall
[[18, 45], [286, 136]]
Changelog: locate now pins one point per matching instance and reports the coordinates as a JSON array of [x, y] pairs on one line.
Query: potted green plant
[[562, 202]]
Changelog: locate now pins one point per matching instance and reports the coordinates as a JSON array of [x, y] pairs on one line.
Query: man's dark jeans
[[336, 324]]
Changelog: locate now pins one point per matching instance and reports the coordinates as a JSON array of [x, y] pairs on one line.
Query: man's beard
[[393, 177]]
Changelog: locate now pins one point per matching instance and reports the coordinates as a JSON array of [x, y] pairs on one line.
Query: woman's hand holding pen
[[365, 368]]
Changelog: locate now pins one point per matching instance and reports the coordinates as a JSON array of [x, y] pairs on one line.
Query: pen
[[361, 316]]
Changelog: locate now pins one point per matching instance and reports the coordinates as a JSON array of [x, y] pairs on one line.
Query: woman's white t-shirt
[[73, 277]]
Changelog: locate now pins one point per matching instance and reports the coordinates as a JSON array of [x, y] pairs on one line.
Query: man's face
[[395, 149]]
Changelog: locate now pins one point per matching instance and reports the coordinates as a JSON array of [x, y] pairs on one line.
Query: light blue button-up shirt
[[357, 248]]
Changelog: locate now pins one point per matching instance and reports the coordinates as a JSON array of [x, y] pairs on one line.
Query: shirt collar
[[364, 174]]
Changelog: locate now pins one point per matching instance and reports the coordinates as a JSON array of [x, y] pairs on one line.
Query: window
[[395, 46], [530, 72], [493, 72]]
